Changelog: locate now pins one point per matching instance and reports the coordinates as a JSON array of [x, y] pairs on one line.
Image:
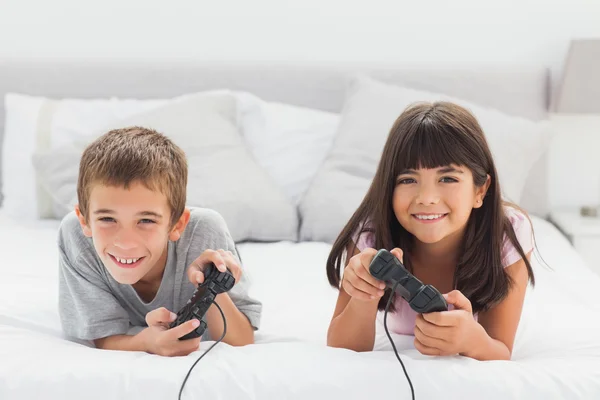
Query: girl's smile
[[428, 218]]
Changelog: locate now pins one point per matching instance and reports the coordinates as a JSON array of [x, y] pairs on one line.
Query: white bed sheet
[[556, 354]]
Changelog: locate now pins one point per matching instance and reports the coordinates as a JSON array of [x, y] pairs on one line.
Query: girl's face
[[434, 204]]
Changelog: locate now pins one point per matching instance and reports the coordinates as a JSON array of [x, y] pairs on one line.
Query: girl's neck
[[442, 254]]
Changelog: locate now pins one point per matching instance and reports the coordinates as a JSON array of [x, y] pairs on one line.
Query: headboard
[[516, 90]]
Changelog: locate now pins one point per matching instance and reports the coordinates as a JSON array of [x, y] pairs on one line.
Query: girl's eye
[[405, 181], [147, 221], [447, 179], [106, 219]]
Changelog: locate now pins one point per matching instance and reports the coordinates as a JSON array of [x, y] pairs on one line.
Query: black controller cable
[[209, 349], [387, 306]]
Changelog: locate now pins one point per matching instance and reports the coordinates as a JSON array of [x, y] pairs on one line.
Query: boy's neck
[[148, 286]]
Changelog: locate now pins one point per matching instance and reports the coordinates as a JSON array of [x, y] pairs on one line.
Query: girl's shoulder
[[523, 231], [364, 236]]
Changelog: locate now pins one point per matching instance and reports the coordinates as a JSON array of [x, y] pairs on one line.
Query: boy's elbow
[[242, 334], [241, 339]]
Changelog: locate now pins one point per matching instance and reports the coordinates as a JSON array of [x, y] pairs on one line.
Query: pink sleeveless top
[[403, 320]]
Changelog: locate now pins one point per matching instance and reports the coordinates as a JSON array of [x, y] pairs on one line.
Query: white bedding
[[556, 354]]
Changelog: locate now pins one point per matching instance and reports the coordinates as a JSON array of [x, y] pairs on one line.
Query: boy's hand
[[161, 340], [221, 258]]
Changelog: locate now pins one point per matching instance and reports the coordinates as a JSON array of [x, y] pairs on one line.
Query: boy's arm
[[87, 308], [242, 311], [122, 342], [157, 338], [239, 330]]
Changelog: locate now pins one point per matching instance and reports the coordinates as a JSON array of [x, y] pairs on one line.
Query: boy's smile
[[125, 262], [130, 229]]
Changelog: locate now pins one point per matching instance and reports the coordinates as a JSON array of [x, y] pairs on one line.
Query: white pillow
[[222, 174], [40, 124], [370, 109], [18, 176], [290, 142]]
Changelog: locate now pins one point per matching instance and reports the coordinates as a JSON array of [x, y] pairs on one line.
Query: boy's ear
[[179, 227], [87, 231]]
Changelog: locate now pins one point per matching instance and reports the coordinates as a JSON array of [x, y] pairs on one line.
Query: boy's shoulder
[[71, 238], [206, 216], [205, 222]]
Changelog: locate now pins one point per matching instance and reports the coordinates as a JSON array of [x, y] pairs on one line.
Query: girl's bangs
[[430, 147]]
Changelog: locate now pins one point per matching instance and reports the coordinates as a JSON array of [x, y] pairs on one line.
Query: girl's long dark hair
[[431, 136]]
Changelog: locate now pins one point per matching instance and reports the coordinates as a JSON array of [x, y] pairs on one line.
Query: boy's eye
[[147, 221], [106, 219]]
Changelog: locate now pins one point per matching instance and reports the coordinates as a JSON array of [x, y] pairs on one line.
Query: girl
[[436, 201]]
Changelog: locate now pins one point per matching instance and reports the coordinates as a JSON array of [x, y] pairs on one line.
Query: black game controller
[[215, 282], [421, 298]]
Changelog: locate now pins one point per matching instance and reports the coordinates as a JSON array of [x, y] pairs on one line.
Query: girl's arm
[[501, 322], [353, 323]]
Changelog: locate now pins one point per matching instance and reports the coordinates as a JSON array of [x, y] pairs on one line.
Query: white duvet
[[556, 354]]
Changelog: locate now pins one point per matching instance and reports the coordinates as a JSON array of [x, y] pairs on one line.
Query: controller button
[[386, 255], [377, 266], [420, 301], [428, 291]]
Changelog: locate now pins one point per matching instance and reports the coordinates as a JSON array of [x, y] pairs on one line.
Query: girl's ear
[[481, 191], [87, 231], [179, 227]]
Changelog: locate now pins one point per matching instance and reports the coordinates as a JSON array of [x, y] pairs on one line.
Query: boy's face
[[131, 229]]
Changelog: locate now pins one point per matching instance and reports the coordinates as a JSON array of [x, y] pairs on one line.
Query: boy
[[131, 254]]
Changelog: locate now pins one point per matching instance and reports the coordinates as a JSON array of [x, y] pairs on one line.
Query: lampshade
[[579, 90]]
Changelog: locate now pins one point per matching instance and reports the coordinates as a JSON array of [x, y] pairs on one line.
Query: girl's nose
[[427, 195]]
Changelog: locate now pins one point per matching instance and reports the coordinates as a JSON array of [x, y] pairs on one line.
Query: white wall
[[417, 31], [409, 32]]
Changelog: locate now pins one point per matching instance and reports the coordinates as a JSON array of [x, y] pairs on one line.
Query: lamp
[[577, 112], [579, 91]]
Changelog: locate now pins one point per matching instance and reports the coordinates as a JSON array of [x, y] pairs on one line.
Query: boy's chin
[[124, 277]]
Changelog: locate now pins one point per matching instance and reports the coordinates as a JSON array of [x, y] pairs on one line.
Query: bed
[[556, 354], [557, 349]]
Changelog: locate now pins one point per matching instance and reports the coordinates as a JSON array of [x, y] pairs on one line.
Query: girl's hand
[[222, 259], [358, 282], [448, 332]]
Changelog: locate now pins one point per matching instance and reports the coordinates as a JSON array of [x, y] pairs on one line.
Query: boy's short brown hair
[[134, 154]]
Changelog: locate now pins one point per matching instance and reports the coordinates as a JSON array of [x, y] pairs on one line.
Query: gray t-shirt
[[93, 305]]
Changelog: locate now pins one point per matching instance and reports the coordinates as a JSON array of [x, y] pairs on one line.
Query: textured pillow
[[37, 124], [289, 142], [222, 174], [370, 109]]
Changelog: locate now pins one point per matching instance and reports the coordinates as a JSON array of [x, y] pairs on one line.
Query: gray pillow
[[222, 174], [370, 110]]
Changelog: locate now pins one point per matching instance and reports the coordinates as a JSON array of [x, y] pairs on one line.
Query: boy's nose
[[124, 241]]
